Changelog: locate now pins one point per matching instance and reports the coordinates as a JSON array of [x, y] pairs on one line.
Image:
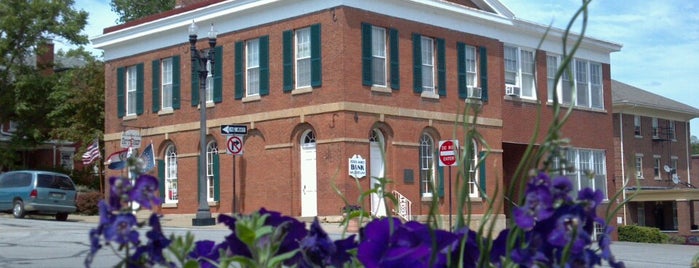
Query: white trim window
[[131, 83], [252, 67], [427, 166], [637, 126], [166, 83], [470, 64], [656, 129], [303, 57], [519, 70], [639, 166], [378, 54], [428, 62], [211, 150], [473, 172], [171, 195], [209, 83], [656, 167], [589, 169], [671, 134], [586, 81]]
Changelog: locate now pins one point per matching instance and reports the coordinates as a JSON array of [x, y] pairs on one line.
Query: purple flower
[[144, 192], [318, 249], [153, 249], [538, 206], [118, 192], [471, 252], [205, 252], [561, 188], [568, 230], [121, 230]]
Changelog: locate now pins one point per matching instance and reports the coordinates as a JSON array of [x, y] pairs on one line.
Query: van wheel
[[61, 216], [18, 209]]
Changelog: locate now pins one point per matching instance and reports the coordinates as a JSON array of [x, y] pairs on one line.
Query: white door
[[309, 189], [376, 166]]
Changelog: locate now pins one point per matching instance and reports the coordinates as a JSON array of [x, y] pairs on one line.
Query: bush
[[87, 202], [641, 234]]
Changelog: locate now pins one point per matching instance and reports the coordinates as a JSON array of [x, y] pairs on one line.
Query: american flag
[[93, 152]]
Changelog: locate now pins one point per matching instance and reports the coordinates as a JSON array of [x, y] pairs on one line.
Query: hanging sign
[[357, 167]]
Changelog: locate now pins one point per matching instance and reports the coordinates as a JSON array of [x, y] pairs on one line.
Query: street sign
[[234, 145], [234, 129], [447, 152], [131, 138]]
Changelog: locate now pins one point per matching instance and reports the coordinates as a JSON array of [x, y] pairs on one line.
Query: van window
[[16, 179], [55, 182]]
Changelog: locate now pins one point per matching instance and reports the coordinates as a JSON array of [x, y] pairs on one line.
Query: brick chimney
[[184, 3], [45, 57]]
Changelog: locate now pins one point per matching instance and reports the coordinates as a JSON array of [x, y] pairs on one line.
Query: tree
[[24, 26], [129, 10], [695, 144]]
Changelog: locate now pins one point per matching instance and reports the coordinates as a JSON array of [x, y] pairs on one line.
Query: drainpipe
[[687, 146], [54, 155], [623, 162]]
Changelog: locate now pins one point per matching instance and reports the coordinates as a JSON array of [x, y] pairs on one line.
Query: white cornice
[[234, 15]]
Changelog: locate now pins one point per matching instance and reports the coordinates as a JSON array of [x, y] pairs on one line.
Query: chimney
[[184, 3], [44, 57]]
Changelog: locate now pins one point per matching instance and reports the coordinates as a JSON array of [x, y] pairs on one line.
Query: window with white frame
[[252, 67], [209, 83], [303, 57], [427, 165], [166, 82], [584, 77], [673, 163], [211, 151], [67, 159], [637, 125], [656, 129], [589, 169], [639, 166], [171, 195], [428, 61], [473, 170], [378, 54], [131, 83], [470, 64], [656, 167], [519, 70], [671, 134]]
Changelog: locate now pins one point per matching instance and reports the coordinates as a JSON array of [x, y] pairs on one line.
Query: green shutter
[[196, 178], [367, 79], [394, 61], [121, 88], [195, 83], [139, 88], [176, 82], [218, 74], [239, 70], [440, 183], [161, 178], [155, 74], [288, 59], [264, 65], [316, 57], [484, 73], [217, 178], [441, 68], [461, 69], [481, 172], [417, 64]]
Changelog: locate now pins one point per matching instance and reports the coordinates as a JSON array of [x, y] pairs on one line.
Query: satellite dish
[[667, 168], [675, 179]]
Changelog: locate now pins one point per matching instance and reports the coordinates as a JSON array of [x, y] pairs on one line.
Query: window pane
[[131, 90], [551, 69], [209, 83], [166, 81], [511, 65], [303, 57], [596, 92], [470, 64], [566, 86], [427, 64], [378, 52], [527, 74], [426, 164], [252, 63], [581, 82], [171, 195]]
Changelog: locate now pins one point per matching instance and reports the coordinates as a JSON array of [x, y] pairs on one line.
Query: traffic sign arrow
[[234, 129]]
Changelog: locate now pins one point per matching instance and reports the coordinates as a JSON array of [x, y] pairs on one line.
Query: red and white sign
[[448, 152], [234, 145]]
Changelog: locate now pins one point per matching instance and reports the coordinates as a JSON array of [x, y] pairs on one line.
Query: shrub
[[87, 202], [641, 234]]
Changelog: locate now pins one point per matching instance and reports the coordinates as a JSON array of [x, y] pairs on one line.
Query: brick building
[[651, 136], [317, 82]]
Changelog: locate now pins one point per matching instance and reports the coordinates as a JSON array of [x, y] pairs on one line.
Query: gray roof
[[627, 95]]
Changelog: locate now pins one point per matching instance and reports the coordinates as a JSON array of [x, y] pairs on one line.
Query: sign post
[[234, 145], [448, 156]]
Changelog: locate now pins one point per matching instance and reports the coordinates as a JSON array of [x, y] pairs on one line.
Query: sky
[[660, 39]]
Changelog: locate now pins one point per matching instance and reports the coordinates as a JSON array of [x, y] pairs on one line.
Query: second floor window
[[470, 64], [637, 125], [427, 45], [639, 166], [656, 167], [584, 77], [519, 70], [252, 68], [131, 84], [656, 129], [378, 54], [671, 134], [303, 57], [166, 82]]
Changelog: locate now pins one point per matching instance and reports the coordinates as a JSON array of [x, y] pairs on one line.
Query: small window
[[671, 130], [637, 125], [427, 166], [656, 129], [252, 67], [131, 84], [656, 167], [166, 82], [428, 62], [639, 166]]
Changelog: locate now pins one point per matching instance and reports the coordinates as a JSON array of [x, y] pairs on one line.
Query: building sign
[[357, 167], [131, 138]]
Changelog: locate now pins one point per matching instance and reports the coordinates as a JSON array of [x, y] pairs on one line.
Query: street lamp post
[[199, 64]]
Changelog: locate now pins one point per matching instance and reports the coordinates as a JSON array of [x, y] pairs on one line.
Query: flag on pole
[[92, 153], [148, 158], [117, 160]]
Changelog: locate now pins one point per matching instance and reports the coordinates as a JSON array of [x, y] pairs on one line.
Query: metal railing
[[404, 209]]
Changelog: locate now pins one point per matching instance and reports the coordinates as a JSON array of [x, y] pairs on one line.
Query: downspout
[[623, 162], [689, 156], [54, 155]]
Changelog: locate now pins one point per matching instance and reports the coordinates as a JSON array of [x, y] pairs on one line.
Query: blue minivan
[[37, 192]]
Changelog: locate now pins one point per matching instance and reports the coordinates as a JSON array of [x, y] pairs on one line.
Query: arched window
[[427, 166], [211, 170], [171, 174], [472, 169]]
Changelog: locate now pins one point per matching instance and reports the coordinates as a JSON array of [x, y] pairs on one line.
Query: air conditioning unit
[[512, 90], [473, 92]]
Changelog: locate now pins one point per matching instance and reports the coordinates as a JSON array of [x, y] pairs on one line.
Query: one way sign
[[234, 129]]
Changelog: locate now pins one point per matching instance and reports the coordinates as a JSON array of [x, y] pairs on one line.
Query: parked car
[[37, 192]]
